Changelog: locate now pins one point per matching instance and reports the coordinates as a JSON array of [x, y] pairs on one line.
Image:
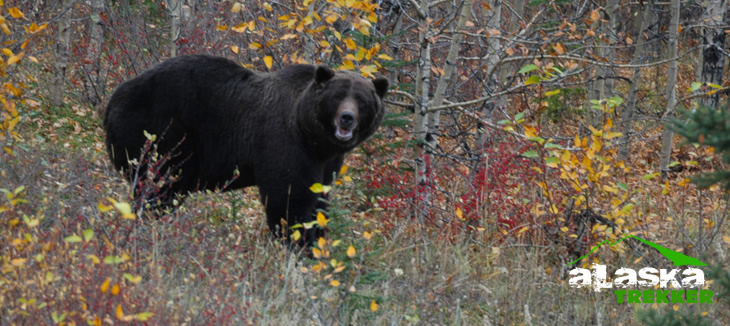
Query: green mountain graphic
[[677, 258]]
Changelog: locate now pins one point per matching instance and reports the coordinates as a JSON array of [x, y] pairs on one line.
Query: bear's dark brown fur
[[283, 131]]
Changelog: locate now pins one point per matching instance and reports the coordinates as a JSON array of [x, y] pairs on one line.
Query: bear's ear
[[381, 86], [323, 74]]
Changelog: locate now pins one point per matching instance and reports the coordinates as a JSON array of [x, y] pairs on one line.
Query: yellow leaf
[[236, 7], [268, 7], [254, 45], [350, 44], [105, 286], [321, 220], [240, 28], [94, 259], [522, 230], [143, 316], [332, 18], [373, 306], [351, 251], [321, 243], [343, 169], [564, 229], [335, 283], [222, 27], [235, 49], [14, 59], [268, 61], [15, 12], [348, 65], [316, 252], [367, 235], [296, 235], [104, 208], [119, 312], [5, 28], [115, 289], [317, 188], [459, 214], [372, 17], [530, 131], [385, 57], [17, 262], [552, 93], [7, 52]]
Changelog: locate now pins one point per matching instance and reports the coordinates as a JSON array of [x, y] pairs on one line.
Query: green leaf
[[651, 176], [694, 86], [72, 239], [149, 136], [113, 260], [715, 86], [556, 69], [539, 140], [504, 122], [532, 80], [553, 146], [622, 186], [530, 154], [528, 68], [88, 234], [519, 116], [552, 162], [627, 208], [675, 163]]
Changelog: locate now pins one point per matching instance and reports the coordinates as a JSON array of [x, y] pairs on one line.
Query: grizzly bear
[[281, 131]]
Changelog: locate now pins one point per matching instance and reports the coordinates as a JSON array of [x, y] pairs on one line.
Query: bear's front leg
[[289, 204]]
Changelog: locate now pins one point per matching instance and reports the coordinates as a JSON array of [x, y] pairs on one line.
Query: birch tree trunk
[[62, 50], [423, 85], [713, 38], [627, 119], [449, 69], [493, 43], [93, 53], [610, 51], [671, 93], [175, 8]]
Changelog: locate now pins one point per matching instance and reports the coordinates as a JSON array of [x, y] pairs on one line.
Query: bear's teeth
[[343, 134]]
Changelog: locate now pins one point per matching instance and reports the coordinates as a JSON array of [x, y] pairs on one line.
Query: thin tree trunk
[[423, 85], [308, 41], [671, 93], [94, 52], [62, 50], [175, 7], [713, 38], [610, 51], [495, 48], [627, 119], [449, 69]]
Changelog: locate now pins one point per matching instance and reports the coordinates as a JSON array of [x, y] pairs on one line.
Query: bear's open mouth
[[343, 134]]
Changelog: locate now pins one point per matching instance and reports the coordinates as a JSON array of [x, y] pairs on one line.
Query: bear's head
[[346, 108]]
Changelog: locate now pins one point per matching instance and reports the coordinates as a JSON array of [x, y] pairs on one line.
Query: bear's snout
[[346, 119]]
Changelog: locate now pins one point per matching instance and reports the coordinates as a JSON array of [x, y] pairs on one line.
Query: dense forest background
[[519, 135]]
